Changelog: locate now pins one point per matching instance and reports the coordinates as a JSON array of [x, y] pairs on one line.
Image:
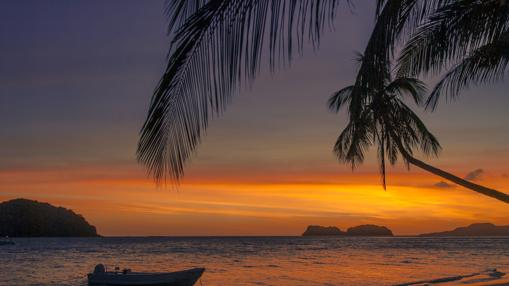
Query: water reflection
[[255, 260]]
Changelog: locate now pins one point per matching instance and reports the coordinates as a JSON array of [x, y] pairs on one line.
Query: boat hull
[[180, 278]]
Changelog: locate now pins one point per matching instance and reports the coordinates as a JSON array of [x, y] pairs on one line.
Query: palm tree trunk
[[462, 182]]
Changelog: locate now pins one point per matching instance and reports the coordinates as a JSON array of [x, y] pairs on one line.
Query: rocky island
[[315, 230], [28, 218], [361, 230], [476, 229], [369, 230]]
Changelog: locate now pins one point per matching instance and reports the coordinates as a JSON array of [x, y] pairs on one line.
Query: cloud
[[474, 175], [505, 175], [443, 185]]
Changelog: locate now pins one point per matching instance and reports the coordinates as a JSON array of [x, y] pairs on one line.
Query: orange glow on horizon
[[124, 202]]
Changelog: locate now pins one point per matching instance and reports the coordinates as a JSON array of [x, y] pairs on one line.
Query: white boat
[[101, 277]]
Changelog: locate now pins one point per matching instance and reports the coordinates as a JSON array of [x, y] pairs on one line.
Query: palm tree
[[218, 45], [469, 40], [396, 19], [386, 121]]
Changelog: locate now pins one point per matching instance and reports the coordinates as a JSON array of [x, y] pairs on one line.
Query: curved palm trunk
[[469, 185]]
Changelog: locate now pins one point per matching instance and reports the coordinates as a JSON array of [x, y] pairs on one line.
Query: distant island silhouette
[[369, 230], [476, 229], [361, 230], [29, 218], [313, 230]]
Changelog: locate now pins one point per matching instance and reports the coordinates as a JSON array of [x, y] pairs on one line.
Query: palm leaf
[[216, 49], [354, 141], [486, 64], [340, 98], [450, 33], [411, 86], [413, 131], [178, 11]]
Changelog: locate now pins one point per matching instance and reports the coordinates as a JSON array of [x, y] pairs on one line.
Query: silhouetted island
[[369, 230], [476, 229], [314, 230], [28, 218], [361, 230]]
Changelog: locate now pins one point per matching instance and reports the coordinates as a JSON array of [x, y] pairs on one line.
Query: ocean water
[[255, 260]]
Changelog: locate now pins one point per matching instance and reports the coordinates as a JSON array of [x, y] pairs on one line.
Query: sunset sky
[[76, 78]]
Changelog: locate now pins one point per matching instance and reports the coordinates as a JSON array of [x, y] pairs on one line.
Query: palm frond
[[340, 98], [178, 11], [413, 132], [450, 33], [411, 86], [355, 140], [487, 64], [216, 49]]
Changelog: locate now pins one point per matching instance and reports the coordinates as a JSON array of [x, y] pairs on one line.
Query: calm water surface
[[255, 260]]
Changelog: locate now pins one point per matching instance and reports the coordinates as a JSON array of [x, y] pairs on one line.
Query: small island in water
[[361, 230], [28, 218], [313, 230]]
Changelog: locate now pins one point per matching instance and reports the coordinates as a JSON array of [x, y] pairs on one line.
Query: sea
[[255, 260]]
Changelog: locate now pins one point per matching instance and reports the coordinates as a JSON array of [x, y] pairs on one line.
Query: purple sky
[[76, 78]]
